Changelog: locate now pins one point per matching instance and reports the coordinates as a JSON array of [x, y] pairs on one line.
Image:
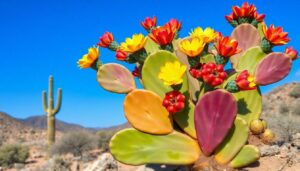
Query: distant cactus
[[51, 111], [193, 111]]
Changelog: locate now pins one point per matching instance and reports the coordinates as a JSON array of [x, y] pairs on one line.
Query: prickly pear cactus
[[191, 107]]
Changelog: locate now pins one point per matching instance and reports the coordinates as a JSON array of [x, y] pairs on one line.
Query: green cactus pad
[[207, 58], [185, 119], [151, 46], [151, 69], [115, 78], [132, 147], [249, 102], [246, 156], [260, 30], [194, 84], [250, 59], [144, 111], [247, 36], [234, 141]]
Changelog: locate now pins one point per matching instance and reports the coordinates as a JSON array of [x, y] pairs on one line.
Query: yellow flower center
[[251, 79], [172, 73]]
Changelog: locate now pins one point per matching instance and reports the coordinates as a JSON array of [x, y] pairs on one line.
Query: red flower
[[174, 101], [275, 36], [245, 81], [211, 73], [149, 23], [162, 35], [259, 17], [227, 47], [245, 11], [292, 53], [230, 17], [106, 39], [121, 55], [175, 24], [136, 72]]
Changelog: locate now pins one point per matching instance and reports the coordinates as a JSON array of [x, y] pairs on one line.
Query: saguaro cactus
[[51, 111]]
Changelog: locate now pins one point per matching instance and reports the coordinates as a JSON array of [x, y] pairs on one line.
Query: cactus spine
[[48, 105]]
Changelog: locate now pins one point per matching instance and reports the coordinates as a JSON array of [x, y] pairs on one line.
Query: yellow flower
[[133, 44], [171, 73], [193, 47], [88, 59], [207, 35]]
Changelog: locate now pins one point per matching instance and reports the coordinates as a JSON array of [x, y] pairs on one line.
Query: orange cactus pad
[[145, 112]]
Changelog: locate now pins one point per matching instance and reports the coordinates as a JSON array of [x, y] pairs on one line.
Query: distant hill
[[40, 122]]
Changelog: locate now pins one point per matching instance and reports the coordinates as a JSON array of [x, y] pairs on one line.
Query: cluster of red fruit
[[174, 101], [211, 73]]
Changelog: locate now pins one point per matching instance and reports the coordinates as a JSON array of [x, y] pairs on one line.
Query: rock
[[267, 150], [19, 166], [155, 167], [284, 151], [296, 140], [105, 162]]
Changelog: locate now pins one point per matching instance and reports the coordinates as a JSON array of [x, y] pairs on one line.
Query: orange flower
[[163, 35], [175, 24], [121, 55], [245, 81], [275, 36], [245, 11], [292, 53], [227, 47], [106, 39], [149, 23]]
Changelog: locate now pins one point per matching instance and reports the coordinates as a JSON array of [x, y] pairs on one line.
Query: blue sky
[[44, 37]]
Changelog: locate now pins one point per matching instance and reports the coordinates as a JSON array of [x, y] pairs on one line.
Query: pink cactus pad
[[274, 67], [214, 116]]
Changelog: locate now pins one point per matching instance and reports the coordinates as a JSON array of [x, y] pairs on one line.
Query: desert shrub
[[61, 164], [283, 108], [13, 153], [75, 143], [284, 126], [295, 91], [104, 137], [296, 109]]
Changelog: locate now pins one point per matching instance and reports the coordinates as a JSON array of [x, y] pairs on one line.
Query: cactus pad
[[246, 156], [250, 59], [234, 141], [247, 36], [144, 111], [151, 46], [214, 116], [135, 148], [185, 119], [115, 78], [151, 69], [273, 68]]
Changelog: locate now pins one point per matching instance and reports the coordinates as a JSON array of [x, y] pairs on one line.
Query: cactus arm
[[58, 102], [50, 93], [44, 98]]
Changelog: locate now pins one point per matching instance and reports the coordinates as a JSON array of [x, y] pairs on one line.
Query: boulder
[[105, 162], [267, 150]]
